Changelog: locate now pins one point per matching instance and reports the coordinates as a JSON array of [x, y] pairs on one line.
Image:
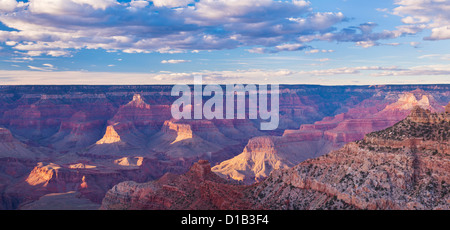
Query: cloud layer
[[426, 14], [59, 27], [366, 75], [55, 27]]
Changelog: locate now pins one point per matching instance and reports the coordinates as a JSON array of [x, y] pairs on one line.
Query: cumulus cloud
[[7, 5], [59, 27], [429, 14]]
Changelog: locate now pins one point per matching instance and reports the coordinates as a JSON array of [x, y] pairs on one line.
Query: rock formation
[[403, 167], [198, 189], [263, 154], [146, 118], [89, 138], [314, 140], [191, 139]]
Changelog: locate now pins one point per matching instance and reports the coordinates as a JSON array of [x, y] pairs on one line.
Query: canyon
[[80, 142], [403, 167]]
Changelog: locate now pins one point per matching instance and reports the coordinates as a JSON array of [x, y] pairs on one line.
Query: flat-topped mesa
[[111, 136]]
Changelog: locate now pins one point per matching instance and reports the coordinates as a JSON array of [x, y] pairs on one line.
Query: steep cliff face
[[146, 118], [198, 189], [190, 139], [121, 139], [263, 154], [406, 166]]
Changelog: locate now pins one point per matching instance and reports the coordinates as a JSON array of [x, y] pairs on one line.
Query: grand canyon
[[118, 147]]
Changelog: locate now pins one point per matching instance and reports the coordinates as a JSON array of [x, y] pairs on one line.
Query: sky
[[325, 42]]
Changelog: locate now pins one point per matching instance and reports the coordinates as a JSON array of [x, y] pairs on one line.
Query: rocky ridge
[[198, 189], [401, 167]]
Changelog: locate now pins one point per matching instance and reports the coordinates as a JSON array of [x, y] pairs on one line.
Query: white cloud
[[445, 57], [20, 59], [278, 48], [59, 27], [347, 70], [429, 70], [171, 3], [290, 47], [315, 51], [430, 14], [174, 61], [7, 5], [10, 43], [45, 67], [415, 44], [45, 74], [96, 4], [366, 44], [139, 4]]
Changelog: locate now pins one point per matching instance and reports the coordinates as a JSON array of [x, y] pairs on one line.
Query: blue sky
[[328, 42]]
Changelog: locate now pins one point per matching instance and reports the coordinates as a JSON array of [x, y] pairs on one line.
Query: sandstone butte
[[406, 166]]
